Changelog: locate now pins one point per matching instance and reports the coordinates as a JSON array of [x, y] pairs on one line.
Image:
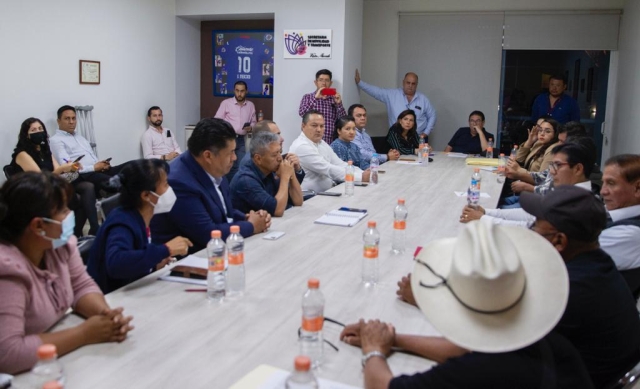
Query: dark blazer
[[198, 209]]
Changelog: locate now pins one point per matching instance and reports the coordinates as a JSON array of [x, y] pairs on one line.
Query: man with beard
[[158, 142]]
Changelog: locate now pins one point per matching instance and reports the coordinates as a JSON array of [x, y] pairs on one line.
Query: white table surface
[[181, 340]]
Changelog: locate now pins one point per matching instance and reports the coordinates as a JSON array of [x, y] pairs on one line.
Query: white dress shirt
[[156, 144], [67, 147], [322, 166], [622, 243], [216, 184]]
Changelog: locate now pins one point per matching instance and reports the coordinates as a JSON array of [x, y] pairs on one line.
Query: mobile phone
[[360, 184], [79, 158], [108, 159], [334, 194], [247, 124], [273, 235], [328, 92]]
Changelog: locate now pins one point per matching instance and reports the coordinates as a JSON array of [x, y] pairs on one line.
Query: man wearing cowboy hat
[[487, 291]]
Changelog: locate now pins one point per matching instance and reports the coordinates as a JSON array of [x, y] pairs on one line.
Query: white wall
[[380, 45], [625, 133], [352, 50], [187, 75], [41, 43], [293, 77]]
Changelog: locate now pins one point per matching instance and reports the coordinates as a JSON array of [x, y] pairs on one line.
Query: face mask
[[165, 202], [38, 138], [68, 225]]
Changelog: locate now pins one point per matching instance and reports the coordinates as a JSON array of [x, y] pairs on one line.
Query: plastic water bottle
[[302, 377], [420, 147], [373, 167], [502, 168], [48, 368], [312, 322], [400, 214], [476, 178], [473, 193], [425, 155], [349, 176], [216, 278], [260, 116], [371, 238], [489, 153], [514, 151], [235, 269]]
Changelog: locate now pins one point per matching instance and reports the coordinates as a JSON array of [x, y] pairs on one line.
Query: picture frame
[[89, 72]]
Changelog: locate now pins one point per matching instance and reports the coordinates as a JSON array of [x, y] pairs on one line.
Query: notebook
[[341, 218]]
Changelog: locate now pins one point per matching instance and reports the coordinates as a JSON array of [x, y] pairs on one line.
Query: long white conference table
[[181, 340]]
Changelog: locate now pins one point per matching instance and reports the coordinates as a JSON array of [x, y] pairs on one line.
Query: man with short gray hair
[[267, 181]]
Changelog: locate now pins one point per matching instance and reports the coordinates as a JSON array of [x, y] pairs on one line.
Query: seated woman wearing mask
[[122, 251], [42, 275], [32, 154]]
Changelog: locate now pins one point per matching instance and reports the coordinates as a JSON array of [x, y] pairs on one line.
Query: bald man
[[399, 99]]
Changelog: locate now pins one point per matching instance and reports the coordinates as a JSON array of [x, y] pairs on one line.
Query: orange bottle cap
[[371, 224], [52, 385], [350, 162], [216, 234], [235, 229], [401, 201], [47, 351], [313, 283], [477, 170], [502, 154], [302, 363]]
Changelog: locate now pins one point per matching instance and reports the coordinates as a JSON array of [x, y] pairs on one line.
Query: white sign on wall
[[307, 44]]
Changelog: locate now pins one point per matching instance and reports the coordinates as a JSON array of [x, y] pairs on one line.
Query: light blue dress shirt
[[67, 147], [364, 143], [396, 102]]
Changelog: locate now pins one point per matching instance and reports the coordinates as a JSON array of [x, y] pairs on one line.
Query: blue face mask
[[68, 224]]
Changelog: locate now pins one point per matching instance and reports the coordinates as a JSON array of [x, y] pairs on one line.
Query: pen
[[65, 160], [353, 209], [195, 290]]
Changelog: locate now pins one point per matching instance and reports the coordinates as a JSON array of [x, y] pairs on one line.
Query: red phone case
[[328, 92]]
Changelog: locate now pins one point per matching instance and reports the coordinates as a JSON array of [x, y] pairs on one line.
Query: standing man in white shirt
[[158, 142], [400, 99], [322, 166], [241, 114]]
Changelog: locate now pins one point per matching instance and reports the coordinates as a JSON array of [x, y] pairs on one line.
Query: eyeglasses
[[479, 121], [555, 165], [544, 234]]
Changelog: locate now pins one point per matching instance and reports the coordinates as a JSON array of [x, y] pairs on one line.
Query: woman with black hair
[[33, 154], [122, 251], [42, 275], [344, 133], [402, 135]]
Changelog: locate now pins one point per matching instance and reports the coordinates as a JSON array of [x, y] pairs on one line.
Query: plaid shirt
[[327, 107]]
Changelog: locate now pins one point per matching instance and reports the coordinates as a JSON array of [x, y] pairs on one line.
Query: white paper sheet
[[269, 377]]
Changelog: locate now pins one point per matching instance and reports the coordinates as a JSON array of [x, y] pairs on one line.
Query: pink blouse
[[32, 300]]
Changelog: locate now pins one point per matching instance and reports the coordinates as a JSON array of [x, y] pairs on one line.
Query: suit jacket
[[198, 209]]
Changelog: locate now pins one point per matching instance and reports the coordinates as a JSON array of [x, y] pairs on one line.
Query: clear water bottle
[[514, 151], [48, 368], [420, 147], [312, 322], [373, 167], [400, 214], [476, 178], [235, 268], [425, 155], [502, 168], [260, 116], [473, 193], [302, 377], [216, 278], [489, 153], [371, 238], [349, 176]]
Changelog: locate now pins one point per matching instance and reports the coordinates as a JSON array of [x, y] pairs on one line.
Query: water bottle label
[[399, 224], [371, 252], [216, 264], [236, 259], [349, 177], [312, 324]]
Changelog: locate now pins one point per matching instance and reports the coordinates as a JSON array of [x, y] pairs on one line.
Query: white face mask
[[165, 202]]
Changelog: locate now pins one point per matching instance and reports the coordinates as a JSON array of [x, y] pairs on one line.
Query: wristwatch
[[370, 355]]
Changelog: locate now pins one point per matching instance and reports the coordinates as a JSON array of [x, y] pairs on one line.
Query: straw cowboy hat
[[493, 289]]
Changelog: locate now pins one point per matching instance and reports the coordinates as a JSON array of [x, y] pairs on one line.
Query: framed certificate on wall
[[89, 72]]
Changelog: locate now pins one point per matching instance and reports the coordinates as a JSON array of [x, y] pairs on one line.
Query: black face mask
[[38, 138]]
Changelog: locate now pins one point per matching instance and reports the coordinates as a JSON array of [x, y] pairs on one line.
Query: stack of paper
[[341, 218], [483, 161]]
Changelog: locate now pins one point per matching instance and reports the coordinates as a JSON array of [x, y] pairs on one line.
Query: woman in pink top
[[42, 275]]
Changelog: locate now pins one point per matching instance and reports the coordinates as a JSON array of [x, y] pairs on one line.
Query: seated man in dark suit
[[203, 201], [470, 140]]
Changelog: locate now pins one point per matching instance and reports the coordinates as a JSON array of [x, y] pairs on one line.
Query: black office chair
[[106, 205], [10, 170], [632, 277], [380, 144], [84, 246]]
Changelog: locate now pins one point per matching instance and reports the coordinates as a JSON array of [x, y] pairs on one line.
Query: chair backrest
[[10, 170], [629, 380], [106, 205], [380, 144]]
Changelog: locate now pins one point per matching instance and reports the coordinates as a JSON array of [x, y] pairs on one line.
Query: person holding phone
[[157, 141], [325, 100], [33, 154], [241, 114]]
